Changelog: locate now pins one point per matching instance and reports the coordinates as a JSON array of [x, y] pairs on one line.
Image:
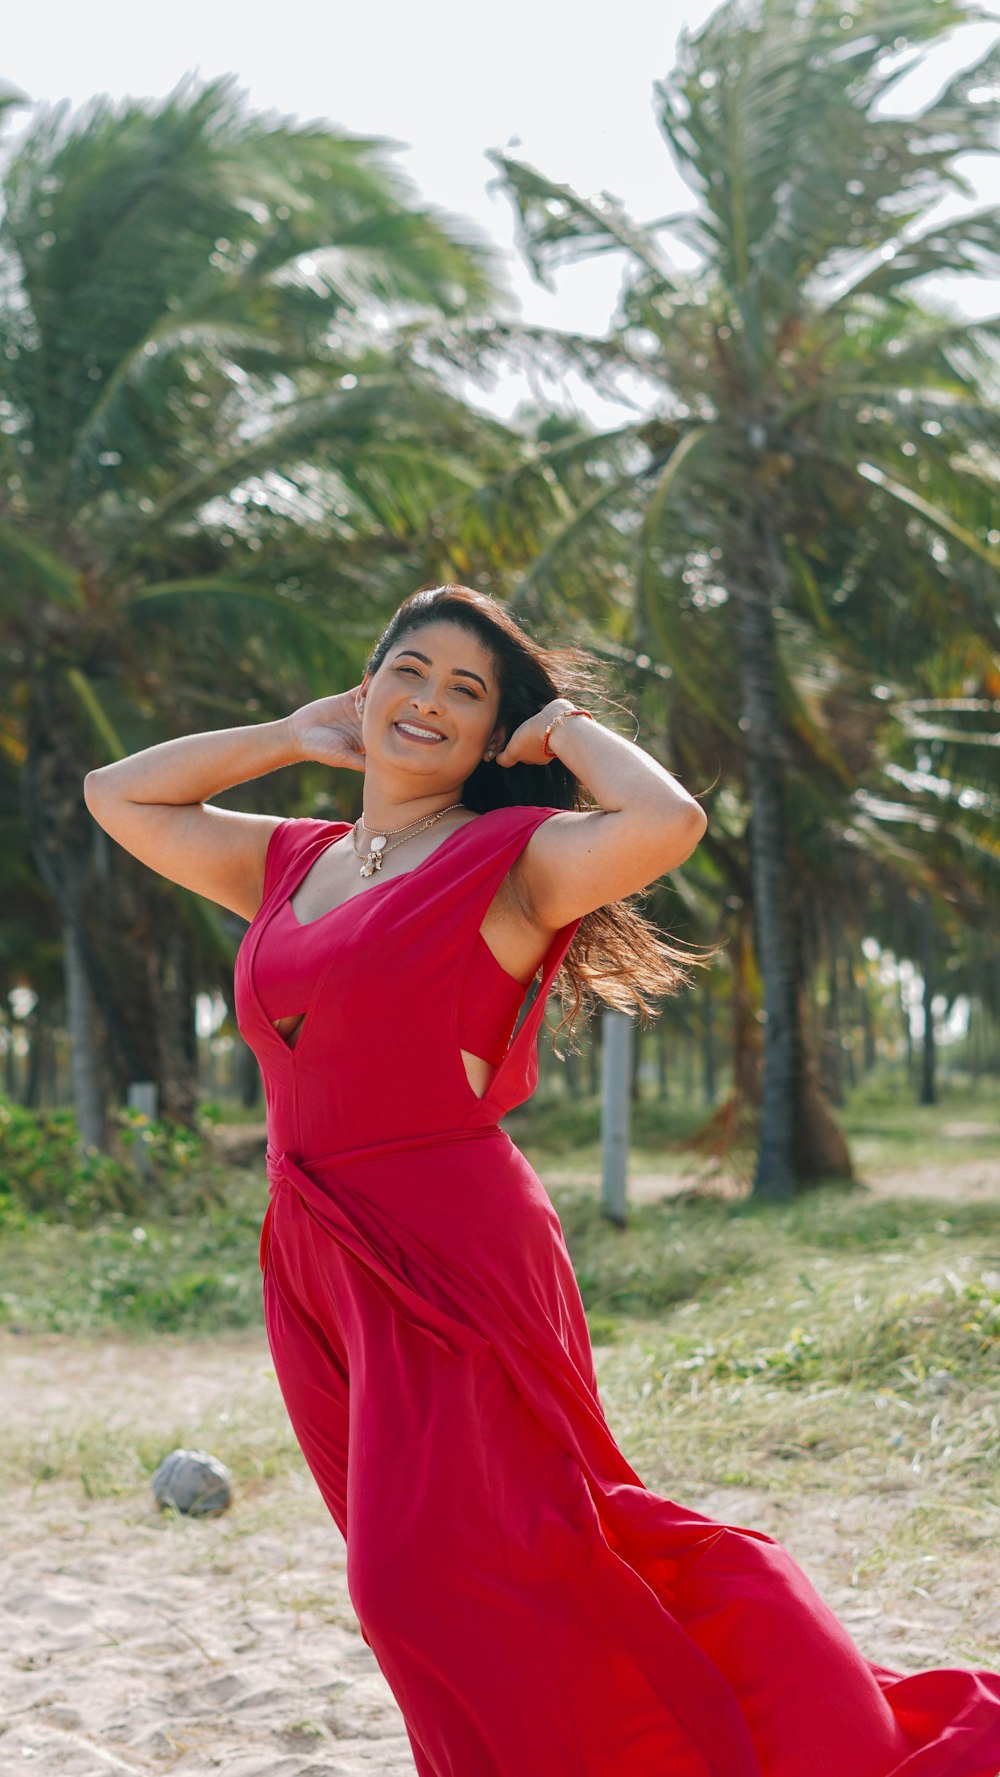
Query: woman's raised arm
[[154, 802], [576, 861]]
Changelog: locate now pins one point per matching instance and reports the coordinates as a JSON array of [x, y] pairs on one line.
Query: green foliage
[[43, 1174], [196, 1272], [216, 473]]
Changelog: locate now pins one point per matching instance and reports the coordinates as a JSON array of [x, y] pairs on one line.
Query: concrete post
[[142, 1096], [616, 1075]]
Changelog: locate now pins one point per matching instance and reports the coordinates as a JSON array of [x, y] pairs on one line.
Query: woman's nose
[[427, 698]]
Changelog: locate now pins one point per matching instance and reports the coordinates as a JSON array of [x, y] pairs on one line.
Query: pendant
[[373, 861]]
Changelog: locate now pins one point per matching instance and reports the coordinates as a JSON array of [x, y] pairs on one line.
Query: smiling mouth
[[426, 735]]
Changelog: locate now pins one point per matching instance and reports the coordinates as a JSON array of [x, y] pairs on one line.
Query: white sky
[[446, 79]]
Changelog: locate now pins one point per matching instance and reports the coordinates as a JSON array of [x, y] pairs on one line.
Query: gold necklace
[[377, 847]]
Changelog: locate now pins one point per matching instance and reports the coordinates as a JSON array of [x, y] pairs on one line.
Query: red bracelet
[[563, 716]]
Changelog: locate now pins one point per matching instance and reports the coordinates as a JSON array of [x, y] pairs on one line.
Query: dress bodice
[[392, 985], [286, 967]]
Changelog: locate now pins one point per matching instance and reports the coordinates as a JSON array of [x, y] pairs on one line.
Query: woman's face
[[431, 708]]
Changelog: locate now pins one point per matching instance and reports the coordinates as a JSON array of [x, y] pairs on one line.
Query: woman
[[535, 1609]]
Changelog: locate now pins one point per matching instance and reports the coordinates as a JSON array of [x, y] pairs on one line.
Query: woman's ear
[[359, 697]]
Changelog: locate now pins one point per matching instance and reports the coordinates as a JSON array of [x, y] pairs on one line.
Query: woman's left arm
[[646, 824]]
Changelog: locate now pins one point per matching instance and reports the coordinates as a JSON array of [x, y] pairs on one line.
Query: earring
[[491, 752]]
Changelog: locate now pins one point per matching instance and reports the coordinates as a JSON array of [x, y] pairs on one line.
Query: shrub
[[43, 1172]]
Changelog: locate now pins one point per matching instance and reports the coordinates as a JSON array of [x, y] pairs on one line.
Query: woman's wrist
[[287, 741], [557, 716]]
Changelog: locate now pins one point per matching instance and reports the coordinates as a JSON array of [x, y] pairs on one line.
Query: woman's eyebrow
[[460, 672]]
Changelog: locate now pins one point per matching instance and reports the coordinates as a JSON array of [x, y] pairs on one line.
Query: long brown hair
[[617, 954]]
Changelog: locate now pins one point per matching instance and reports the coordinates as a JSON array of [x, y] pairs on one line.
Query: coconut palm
[[808, 486], [214, 470]]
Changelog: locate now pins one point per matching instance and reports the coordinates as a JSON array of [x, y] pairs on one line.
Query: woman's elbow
[[683, 833], [92, 788]]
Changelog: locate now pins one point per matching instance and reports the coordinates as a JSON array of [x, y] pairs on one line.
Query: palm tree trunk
[[928, 1082], [177, 1049], [246, 1072], [83, 1025], [775, 1176], [662, 1071], [854, 1018], [746, 1038], [707, 1047], [102, 916], [821, 1151], [39, 1090], [687, 1054], [870, 1053], [594, 1057], [833, 1036], [10, 1061], [904, 1013]]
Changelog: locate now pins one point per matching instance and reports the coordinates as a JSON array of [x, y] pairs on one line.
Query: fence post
[[616, 1072], [142, 1096]]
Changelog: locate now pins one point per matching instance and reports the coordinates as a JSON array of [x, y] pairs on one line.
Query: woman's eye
[[466, 688]]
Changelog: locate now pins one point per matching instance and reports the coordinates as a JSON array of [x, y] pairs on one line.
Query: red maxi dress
[[536, 1610]]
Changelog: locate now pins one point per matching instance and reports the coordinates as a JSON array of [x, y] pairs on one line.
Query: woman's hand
[[525, 744], [328, 730], [645, 823]]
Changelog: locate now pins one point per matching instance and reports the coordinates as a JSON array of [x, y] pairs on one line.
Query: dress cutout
[[536, 1610], [287, 966]]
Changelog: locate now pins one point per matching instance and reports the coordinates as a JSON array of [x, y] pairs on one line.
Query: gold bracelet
[[563, 716]]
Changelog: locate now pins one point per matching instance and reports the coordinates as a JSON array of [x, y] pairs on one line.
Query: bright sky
[[445, 79]]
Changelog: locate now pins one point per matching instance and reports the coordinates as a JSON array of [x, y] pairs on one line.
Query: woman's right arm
[[154, 802]]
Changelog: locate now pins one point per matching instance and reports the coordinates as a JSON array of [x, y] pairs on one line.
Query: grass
[[196, 1274], [865, 1305]]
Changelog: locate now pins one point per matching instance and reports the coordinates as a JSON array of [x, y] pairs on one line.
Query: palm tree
[[811, 485], [939, 806], [215, 464]]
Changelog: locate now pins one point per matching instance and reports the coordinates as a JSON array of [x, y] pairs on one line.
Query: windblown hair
[[617, 954]]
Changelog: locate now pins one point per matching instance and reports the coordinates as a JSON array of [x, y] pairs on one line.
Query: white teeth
[[421, 733]]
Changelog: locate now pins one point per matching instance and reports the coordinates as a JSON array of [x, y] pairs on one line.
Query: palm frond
[[557, 227], [942, 520], [34, 566]]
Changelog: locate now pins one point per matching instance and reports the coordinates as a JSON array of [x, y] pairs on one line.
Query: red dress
[[536, 1610]]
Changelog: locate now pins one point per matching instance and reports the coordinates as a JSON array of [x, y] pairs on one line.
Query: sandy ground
[[967, 1178], [134, 1641], [137, 1642]]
